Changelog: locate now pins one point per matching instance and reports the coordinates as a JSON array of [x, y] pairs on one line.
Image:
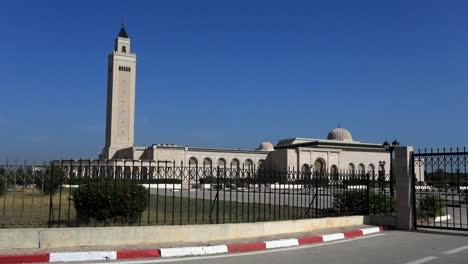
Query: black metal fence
[[105, 193], [441, 188]]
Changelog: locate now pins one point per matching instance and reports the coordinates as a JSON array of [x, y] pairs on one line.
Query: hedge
[[430, 205], [356, 202], [115, 201]]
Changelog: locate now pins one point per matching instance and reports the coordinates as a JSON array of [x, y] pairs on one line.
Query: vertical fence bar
[[50, 197], [189, 187], [4, 178]]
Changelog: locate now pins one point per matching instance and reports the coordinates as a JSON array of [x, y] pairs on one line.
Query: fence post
[[51, 207], [402, 170], [368, 182], [217, 195]]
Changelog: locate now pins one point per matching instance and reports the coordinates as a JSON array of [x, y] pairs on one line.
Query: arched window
[[144, 173], [235, 163], [305, 171], [118, 172], [193, 162], [361, 169], [319, 165], [351, 168], [207, 162], [221, 162], [371, 169], [124, 49], [127, 172], [334, 170], [248, 164], [136, 173]]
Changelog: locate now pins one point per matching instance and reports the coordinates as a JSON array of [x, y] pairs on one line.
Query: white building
[[339, 151]]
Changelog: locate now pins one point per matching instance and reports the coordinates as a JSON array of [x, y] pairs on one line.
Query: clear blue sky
[[233, 73]]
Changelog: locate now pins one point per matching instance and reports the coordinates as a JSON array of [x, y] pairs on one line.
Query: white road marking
[[187, 251], [281, 243], [372, 230], [456, 250], [230, 255], [82, 256], [419, 261], [332, 237]]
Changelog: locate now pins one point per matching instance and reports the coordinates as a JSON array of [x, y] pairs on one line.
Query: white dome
[[266, 146], [340, 134]]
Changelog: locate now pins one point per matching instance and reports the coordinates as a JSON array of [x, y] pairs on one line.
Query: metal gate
[[440, 188]]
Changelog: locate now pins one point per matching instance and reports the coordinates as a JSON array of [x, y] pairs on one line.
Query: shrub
[[49, 181], [381, 203], [120, 201], [430, 206], [356, 202]]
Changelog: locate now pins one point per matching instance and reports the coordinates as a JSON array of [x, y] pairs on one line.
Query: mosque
[[339, 151]]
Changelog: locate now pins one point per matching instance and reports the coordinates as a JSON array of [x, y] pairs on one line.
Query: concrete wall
[[110, 236]]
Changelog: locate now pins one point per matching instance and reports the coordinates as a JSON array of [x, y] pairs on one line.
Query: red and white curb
[[183, 251]]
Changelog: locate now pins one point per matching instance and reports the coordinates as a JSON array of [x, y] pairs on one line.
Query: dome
[[340, 134], [266, 146]]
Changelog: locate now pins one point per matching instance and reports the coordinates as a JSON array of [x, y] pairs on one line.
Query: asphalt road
[[388, 247]]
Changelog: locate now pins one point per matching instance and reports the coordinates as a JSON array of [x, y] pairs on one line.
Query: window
[[124, 68], [193, 162], [207, 162], [221, 162], [248, 164], [319, 165], [235, 163], [371, 169], [334, 173], [361, 169], [351, 168], [124, 49]]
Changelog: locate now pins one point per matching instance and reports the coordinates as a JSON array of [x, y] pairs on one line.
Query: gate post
[[402, 170]]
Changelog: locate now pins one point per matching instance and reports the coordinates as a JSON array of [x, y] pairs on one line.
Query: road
[[390, 247]]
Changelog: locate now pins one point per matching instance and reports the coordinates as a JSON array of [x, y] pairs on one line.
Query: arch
[[371, 169], [94, 171], [235, 163], [124, 49], [305, 168], [127, 172], [221, 162], [248, 164], [144, 173], [207, 162], [319, 165], [193, 162], [361, 168], [136, 173], [334, 170], [351, 168], [118, 172]]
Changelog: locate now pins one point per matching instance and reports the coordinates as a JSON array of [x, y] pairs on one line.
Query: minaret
[[120, 97]]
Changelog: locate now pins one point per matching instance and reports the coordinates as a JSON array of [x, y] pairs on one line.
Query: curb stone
[[184, 251]]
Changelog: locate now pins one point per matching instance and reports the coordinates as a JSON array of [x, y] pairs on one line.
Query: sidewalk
[[181, 249]]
